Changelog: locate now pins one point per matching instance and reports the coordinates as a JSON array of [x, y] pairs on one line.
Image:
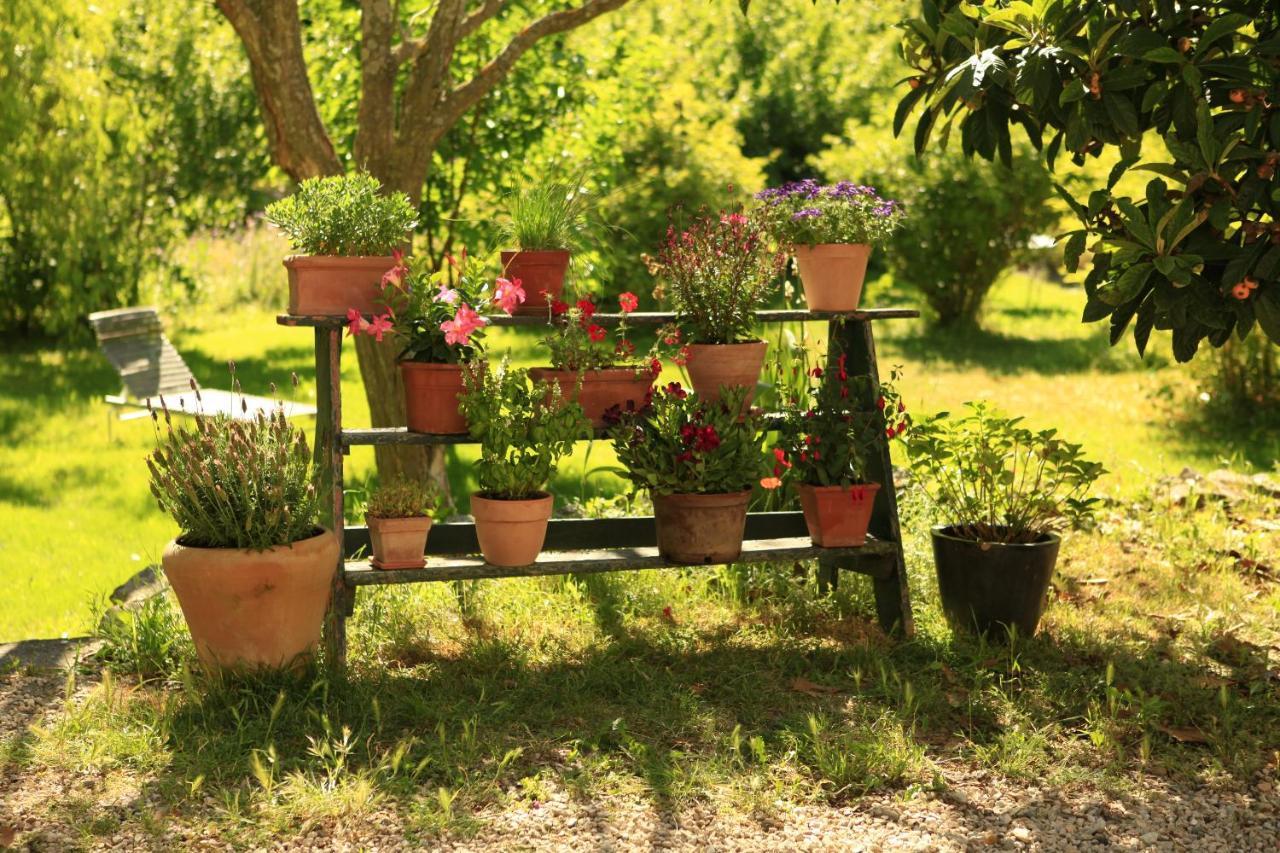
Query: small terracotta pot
[[431, 397], [254, 609], [541, 274], [832, 274], [711, 366], [330, 285], [837, 516], [701, 529], [398, 543], [600, 388], [511, 533]]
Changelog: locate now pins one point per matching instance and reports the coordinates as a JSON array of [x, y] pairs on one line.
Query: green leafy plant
[[403, 499], [234, 483], [805, 213], [524, 428], [577, 342], [546, 215], [343, 215], [716, 273], [1200, 259], [994, 480], [678, 444]]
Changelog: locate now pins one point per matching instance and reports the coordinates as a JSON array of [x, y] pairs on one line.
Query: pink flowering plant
[[805, 213], [675, 443]]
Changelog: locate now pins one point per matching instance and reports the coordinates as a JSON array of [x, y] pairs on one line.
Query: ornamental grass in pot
[[830, 230], [251, 567], [698, 459], [825, 445], [399, 518], [344, 231], [716, 273], [590, 368], [437, 315], [544, 222], [524, 428], [1005, 492]]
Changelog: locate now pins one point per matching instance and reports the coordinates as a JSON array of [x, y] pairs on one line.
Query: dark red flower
[[708, 439], [675, 390], [816, 373], [596, 333], [655, 367], [559, 307], [587, 307]]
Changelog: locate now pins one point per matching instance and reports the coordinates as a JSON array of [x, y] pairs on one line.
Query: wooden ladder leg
[[853, 337], [828, 575], [328, 466]]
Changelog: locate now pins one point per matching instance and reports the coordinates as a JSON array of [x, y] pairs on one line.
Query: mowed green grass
[[76, 517]]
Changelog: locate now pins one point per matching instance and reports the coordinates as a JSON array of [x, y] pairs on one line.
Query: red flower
[[559, 307], [902, 427], [673, 338], [624, 348], [781, 456], [880, 403], [816, 373], [596, 333], [655, 367], [843, 374], [708, 439], [681, 358], [627, 302], [587, 307], [688, 433], [674, 389], [687, 456]]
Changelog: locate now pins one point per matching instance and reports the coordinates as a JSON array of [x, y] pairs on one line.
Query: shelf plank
[[638, 318], [874, 558]]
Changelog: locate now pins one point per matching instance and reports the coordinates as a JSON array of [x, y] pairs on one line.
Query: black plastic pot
[[988, 587]]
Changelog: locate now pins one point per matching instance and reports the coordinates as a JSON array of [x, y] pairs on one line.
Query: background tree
[[411, 95]]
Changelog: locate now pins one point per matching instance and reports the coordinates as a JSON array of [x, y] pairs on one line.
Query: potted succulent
[[344, 231], [524, 428], [251, 567], [698, 459], [830, 230], [589, 368], [438, 315], [543, 221], [399, 519], [1005, 492], [824, 445], [716, 273]]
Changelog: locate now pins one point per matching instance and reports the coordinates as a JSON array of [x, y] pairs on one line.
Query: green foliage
[[524, 428], [235, 483], [716, 273], [149, 641], [805, 213], [994, 480], [343, 215], [678, 444], [1114, 73], [403, 499], [1243, 378], [546, 214]]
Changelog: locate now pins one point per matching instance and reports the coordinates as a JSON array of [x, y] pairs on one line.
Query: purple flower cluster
[[811, 189], [807, 213]]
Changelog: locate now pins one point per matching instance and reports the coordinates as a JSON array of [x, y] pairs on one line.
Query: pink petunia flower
[[379, 326], [447, 295], [463, 325], [508, 294], [355, 322], [396, 275]]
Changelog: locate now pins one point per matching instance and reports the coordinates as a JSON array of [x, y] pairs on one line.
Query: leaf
[[1184, 734], [800, 684], [1122, 114], [1221, 27], [905, 106], [1164, 54], [1266, 308]]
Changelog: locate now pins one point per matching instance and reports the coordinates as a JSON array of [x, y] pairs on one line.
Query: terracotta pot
[[398, 543], [541, 274], [254, 609], [837, 516], [511, 533], [600, 388], [431, 397], [330, 285], [701, 529], [832, 274], [711, 366]]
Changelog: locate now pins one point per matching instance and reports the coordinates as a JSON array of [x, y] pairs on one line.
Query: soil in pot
[[837, 516], [511, 532], [330, 285], [988, 587], [541, 274], [701, 529], [712, 366], [431, 397], [832, 274], [600, 388], [399, 543], [254, 609]]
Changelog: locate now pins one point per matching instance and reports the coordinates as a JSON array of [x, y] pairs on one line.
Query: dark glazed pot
[[987, 587]]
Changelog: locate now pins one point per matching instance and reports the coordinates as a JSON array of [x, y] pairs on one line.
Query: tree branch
[[375, 122], [411, 49]]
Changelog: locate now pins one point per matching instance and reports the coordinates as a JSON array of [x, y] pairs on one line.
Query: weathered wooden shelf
[[873, 558], [401, 435], [638, 318]]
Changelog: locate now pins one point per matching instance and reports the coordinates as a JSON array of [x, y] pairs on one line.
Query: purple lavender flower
[[806, 213]]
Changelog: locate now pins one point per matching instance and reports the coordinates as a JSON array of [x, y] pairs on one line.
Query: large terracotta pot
[[711, 366], [330, 285], [541, 274], [832, 274], [701, 529], [837, 516], [989, 587], [511, 533], [431, 397], [254, 609], [398, 543], [600, 388]]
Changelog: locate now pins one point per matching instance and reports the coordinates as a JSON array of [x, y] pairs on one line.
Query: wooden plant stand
[[575, 546]]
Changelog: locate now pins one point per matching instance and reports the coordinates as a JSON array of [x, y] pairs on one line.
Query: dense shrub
[[1243, 377]]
